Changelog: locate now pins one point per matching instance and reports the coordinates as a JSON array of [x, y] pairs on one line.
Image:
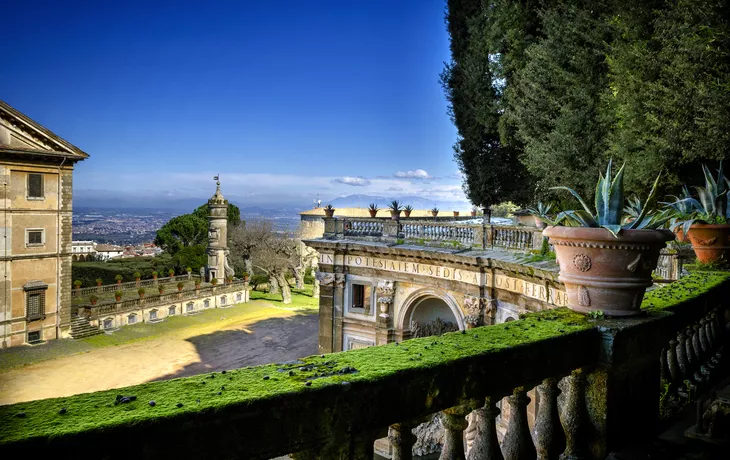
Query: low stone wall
[[335, 405], [158, 307]]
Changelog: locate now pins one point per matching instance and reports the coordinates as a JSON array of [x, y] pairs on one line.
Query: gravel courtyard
[[248, 334]]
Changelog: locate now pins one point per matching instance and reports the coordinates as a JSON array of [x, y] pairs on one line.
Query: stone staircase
[[81, 328]]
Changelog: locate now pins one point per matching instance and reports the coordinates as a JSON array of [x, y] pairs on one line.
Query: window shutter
[[36, 304], [35, 185]]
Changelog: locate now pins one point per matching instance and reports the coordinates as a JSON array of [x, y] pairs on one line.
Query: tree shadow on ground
[[268, 341]]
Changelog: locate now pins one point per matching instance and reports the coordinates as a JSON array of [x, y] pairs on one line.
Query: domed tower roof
[[217, 198]]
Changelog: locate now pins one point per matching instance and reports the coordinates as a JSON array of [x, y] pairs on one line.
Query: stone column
[[326, 312], [401, 439], [338, 300], [384, 295]]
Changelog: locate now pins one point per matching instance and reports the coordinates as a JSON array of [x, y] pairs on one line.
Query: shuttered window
[[35, 304], [35, 237], [35, 186]]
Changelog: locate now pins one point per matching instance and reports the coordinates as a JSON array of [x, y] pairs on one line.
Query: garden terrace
[[335, 405]]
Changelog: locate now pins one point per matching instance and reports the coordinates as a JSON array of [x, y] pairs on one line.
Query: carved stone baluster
[[703, 371], [663, 366], [675, 373], [486, 445], [548, 433], [401, 440], [454, 423], [682, 359], [706, 345], [574, 417], [517, 444]]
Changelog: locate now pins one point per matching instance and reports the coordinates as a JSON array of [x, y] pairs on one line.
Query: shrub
[[118, 293], [214, 281], [78, 283], [505, 209], [180, 285], [137, 275], [141, 291], [119, 277], [171, 272], [189, 270]]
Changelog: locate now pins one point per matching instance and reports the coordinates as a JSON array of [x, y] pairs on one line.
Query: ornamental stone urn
[[602, 272]]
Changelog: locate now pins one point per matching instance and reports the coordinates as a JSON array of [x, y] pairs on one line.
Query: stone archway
[[429, 312]]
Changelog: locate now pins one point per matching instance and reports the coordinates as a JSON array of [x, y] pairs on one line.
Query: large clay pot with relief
[[711, 242], [605, 273]]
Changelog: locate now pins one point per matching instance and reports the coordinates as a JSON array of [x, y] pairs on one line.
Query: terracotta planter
[[98, 283], [179, 289], [372, 213], [119, 282], [539, 223], [394, 215], [329, 213], [605, 273], [246, 278], [456, 213], [473, 213], [117, 298], [711, 242], [680, 236], [434, 213], [407, 213], [93, 302], [141, 296]]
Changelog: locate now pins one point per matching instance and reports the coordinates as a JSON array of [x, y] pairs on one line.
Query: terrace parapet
[[333, 406]]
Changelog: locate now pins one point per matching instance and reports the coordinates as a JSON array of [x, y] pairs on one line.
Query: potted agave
[[77, 284], [246, 276], [540, 213], [329, 211], [395, 207], [93, 299], [140, 292], [435, 212], [171, 272], [99, 281], [180, 286], [154, 275], [681, 210], [119, 279], [473, 212], [456, 213], [606, 265], [706, 222], [197, 283], [373, 209], [407, 210], [118, 295]]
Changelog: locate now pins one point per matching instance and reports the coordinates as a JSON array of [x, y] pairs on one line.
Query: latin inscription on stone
[[537, 291]]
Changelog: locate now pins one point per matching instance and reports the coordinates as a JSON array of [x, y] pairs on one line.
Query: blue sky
[[286, 100]]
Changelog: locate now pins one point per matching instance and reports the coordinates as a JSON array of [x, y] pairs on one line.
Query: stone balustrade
[[597, 383], [434, 232], [130, 285], [94, 312]]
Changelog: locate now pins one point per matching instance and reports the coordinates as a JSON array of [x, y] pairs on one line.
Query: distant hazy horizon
[[287, 101]]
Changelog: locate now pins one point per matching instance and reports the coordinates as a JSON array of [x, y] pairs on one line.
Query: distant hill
[[418, 202]]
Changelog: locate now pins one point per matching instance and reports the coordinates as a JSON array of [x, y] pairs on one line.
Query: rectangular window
[[35, 304], [34, 337], [108, 323], [34, 237], [35, 186], [361, 296]]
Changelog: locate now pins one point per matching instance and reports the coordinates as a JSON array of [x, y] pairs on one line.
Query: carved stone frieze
[[473, 310], [339, 280], [325, 278], [436, 327]]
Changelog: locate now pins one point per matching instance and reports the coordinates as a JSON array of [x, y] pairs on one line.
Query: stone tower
[[217, 236]]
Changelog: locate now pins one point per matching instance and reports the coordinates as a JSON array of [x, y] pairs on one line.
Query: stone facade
[[36, 173]]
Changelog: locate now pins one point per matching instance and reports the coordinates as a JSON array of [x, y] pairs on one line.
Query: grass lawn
[[261, 305]]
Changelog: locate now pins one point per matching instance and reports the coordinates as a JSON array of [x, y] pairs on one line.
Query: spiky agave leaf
[[582, 218], [577, 196], [648, 203], [610, 197], [707, 200]]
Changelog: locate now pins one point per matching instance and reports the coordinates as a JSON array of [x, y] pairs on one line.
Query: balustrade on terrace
[[598, 383]]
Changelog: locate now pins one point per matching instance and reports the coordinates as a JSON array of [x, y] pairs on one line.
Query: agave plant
[[408, 208], [713, 206], [609, 206], [542, 210], [373, 207], [395, 206], [329, 208]]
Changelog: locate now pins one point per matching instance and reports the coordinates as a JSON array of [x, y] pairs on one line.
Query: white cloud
[[418, 174], [355, 181]]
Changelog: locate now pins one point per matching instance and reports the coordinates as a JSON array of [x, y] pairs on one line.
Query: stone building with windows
[[36, 168]]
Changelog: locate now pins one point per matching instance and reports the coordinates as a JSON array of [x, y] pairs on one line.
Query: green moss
[[97, 411], [674, 294]]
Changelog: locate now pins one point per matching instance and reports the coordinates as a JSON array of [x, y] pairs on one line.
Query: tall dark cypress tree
[[492, 171]]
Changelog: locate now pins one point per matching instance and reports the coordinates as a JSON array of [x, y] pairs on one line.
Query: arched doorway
[[428, 312]]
